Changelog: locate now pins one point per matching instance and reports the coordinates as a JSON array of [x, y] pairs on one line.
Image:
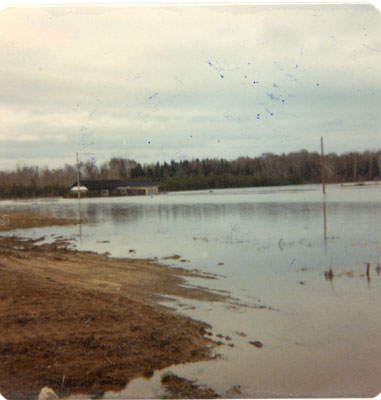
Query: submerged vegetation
[[266, 170], [166, 376]]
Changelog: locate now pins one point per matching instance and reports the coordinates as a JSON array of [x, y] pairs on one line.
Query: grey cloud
[[133, 76]]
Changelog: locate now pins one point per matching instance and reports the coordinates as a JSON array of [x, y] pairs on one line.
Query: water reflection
[[79, 216], [123, 215], [198, 212], [191, 211], [325, 220]]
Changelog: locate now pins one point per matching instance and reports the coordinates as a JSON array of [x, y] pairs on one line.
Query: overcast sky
[[180, 82]]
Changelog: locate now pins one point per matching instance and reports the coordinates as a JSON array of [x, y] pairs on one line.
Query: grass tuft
[[167, 376]]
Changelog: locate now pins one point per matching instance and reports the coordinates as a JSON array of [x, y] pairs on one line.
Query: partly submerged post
[[322, 165], [78, 191], [325, 221], [367, 269]]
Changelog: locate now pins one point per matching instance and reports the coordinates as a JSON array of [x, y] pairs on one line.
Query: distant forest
[[266, 170]]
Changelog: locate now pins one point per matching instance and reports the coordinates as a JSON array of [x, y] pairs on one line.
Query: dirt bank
[[81, 322], [10, 221]]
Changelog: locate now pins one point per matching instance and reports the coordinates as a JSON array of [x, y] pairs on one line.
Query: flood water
[[270, 247]]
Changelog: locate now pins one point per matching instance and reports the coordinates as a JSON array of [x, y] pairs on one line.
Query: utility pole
[[322, 165], [78, 191]]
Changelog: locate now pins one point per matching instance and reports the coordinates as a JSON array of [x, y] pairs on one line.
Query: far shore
[[86, 323]]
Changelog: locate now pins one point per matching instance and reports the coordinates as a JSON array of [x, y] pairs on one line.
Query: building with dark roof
[[94, 188], [142, 188]]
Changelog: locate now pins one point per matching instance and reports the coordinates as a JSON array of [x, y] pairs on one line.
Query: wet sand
[[82, 322]]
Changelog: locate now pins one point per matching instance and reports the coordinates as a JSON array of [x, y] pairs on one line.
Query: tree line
[[266, 170]]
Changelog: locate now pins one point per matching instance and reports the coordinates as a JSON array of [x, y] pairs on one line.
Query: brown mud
[[84, 323], [10, 221], [181, 388]]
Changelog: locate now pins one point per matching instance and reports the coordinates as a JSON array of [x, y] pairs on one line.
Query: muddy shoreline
[[85, 323], [11, 221]]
